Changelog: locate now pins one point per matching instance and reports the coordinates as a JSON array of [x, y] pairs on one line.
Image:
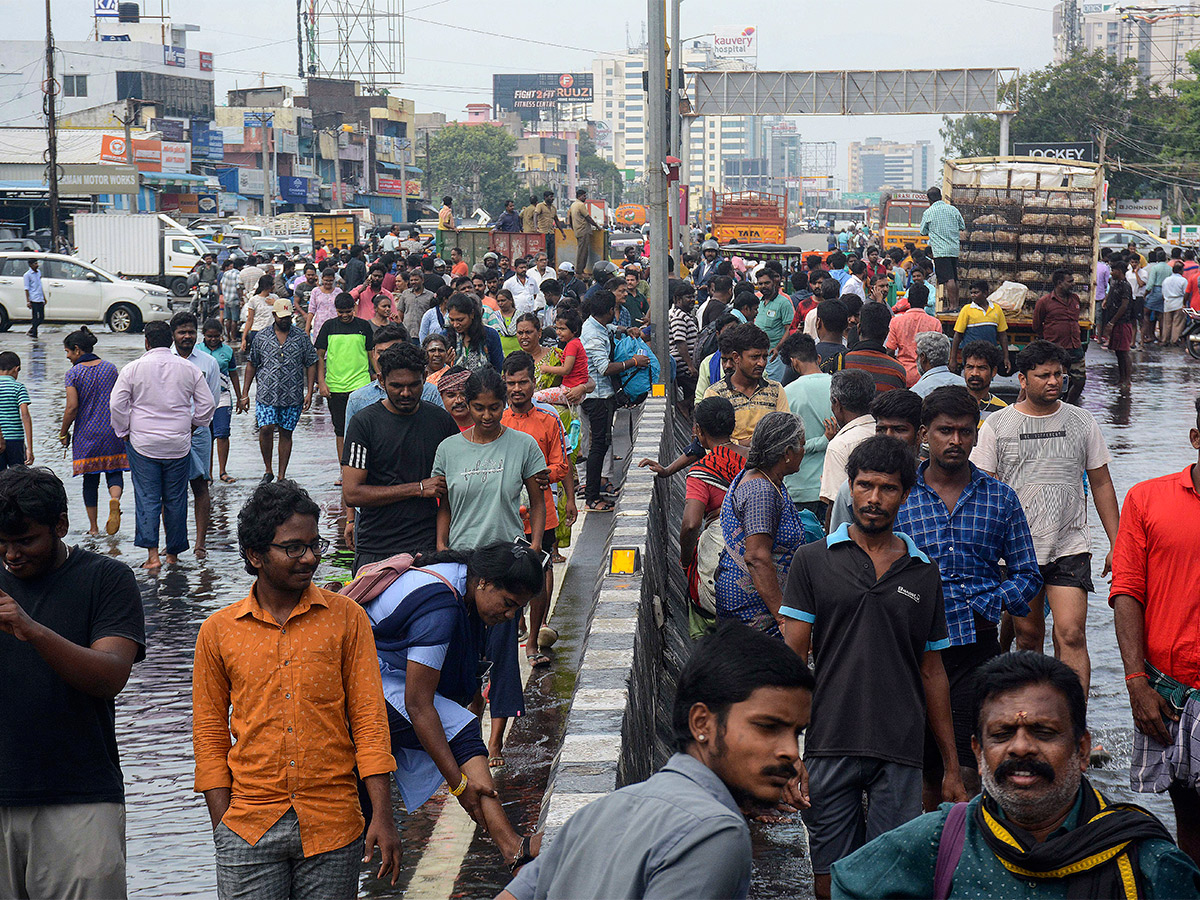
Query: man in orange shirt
[[458, 266], [297, 666], [546, 429]]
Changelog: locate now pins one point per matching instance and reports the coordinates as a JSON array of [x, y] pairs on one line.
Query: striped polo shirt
[[12, 395]]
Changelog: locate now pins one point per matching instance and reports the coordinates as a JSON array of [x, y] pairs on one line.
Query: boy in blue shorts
[[16, 426], [215, 347]]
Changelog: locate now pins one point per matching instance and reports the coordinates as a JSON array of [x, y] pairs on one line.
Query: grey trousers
[[75, 851], [276, 868]]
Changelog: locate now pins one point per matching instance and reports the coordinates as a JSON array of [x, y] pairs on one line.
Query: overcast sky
[[454, 46]]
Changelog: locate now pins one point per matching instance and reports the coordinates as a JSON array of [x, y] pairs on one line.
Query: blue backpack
[[632, 386]]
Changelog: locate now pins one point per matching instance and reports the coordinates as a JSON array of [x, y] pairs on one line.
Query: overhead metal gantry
[[855, 93]]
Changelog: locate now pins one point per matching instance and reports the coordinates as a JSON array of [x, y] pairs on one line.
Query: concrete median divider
[[618, 729]]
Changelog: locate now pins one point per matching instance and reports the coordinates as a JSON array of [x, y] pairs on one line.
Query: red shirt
[[1057, 321], [1155, 562], [1191, 271]]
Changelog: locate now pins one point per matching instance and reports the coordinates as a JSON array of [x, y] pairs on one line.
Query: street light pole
[[656, 189], [676, 129]]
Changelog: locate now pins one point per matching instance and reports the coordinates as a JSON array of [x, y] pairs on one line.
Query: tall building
[[130, 58], [875, 164], [1158, 37], [712, 143]]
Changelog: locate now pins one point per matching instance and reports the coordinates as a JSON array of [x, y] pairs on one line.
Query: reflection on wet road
[[170, 850]]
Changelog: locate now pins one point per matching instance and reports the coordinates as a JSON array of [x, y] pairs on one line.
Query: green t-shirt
[[486, 484], [774, 317], [347, 347], [638, 305]]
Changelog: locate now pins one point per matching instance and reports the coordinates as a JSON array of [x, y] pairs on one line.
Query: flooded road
[[169, 837]]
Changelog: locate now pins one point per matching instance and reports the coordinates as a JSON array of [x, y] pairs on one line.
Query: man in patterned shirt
[[966, 521], [942, 224], [231, 297], [752, 395], [286, 362]]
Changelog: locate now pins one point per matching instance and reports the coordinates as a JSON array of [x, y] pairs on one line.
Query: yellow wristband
[[454, 792]]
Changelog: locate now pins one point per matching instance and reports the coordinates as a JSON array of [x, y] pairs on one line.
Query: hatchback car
[[79, 293]]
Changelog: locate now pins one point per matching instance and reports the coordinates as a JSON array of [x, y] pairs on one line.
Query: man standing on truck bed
[[942, 224]]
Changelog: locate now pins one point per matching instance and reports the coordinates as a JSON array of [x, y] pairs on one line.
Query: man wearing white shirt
[[524, 287], [156, 402], [391, 240], [541, 269], [855, 284]]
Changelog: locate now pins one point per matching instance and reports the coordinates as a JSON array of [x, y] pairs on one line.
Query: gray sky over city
[[454, 46]]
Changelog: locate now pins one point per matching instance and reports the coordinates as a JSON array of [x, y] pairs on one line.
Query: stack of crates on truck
[[1026, 218], [750, 217]]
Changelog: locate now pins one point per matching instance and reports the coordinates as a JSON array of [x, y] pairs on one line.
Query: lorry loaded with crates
[[1025, 218], [749, 217]]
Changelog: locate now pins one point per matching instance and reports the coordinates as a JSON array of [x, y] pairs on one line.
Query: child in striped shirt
[[16, 426]]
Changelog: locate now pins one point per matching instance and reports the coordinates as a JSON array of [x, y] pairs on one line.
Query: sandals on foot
[[524, 856], [495, 762], [599, 506], [228, 479], [537, 660]]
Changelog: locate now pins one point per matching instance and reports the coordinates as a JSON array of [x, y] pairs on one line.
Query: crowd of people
[[856, 497]]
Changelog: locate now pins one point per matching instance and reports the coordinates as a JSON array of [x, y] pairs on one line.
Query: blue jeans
[[159, 490]]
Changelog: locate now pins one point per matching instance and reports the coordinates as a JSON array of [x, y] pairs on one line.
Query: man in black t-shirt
[[869, 604], [71, 628], [388, 461]]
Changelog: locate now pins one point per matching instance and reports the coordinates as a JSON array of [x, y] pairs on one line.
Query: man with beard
[[395, 493], [966, 521], [868, 603], [742, 701], [752, 395], [1039, 829], [981, 361]]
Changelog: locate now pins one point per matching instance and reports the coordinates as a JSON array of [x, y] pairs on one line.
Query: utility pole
[[656, 192], [675, 82], [266, 164], [129, 158], [51, 133]]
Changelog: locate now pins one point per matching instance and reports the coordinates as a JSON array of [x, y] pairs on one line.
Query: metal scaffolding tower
[[359, 40]]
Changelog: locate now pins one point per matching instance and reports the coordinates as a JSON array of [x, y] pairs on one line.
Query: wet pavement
[[169, 836], [169, 844]]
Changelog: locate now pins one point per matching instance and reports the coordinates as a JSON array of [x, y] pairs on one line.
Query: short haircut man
[[71, 629], [870, 646], [680, 831]]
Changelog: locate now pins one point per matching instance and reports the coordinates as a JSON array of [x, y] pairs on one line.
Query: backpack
[[375, 578], [632, 386], [706, 344], [708, 560]]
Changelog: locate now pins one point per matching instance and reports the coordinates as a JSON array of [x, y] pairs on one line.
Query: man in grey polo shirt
[[743, 700]]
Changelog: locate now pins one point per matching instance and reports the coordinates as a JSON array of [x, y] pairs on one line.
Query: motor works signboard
[[531, 95], [148, 156], [92, 179]]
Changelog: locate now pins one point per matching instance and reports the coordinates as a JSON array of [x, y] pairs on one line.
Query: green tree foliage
[[1074, 101], [593, 167], [474, 163]]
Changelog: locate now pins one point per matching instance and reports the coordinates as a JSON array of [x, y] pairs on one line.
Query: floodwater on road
[[169, 843]]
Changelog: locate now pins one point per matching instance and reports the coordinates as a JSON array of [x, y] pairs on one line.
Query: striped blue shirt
[[987, 525], [12, 395]]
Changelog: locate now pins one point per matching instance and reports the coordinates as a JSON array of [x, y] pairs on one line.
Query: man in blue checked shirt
[[966, 521]]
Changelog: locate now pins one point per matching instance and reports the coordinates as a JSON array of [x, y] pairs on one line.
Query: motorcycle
[[1191, 333], [205, 301]]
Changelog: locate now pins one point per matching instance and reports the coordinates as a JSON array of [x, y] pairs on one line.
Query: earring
[[702, 737]]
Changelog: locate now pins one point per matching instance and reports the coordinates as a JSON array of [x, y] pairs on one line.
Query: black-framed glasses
[[319, 548], [522, 546]]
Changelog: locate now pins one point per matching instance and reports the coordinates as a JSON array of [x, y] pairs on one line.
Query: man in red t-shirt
[[458, 266], [1156, 606]]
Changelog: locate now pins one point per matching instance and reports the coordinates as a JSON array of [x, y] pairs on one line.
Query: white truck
[[146, 246]]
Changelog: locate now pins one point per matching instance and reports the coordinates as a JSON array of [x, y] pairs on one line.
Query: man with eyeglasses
[[297, 666]]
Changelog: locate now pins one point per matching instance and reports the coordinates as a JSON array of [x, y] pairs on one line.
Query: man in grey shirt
[[412, 303], [742, 701]]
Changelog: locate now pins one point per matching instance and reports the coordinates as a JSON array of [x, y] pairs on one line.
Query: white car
[[79, 293], [1120, 238]]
